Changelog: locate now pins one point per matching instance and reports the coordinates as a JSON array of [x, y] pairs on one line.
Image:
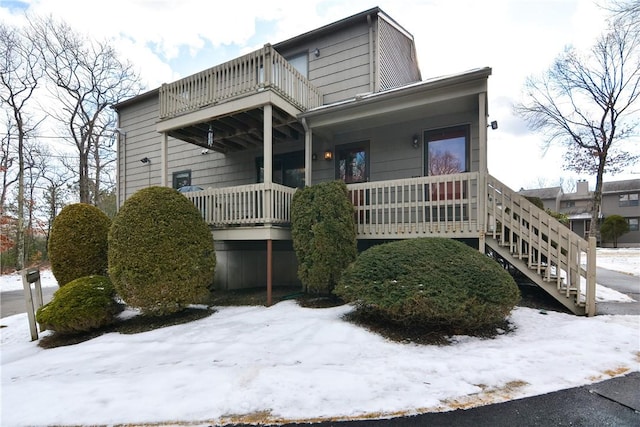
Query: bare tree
[[443, 163], [7, 158], [55, 192], [588, 103], [625, 9], [87, 78], [20, 74]]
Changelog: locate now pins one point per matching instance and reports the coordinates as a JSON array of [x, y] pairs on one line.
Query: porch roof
[[398, 102]]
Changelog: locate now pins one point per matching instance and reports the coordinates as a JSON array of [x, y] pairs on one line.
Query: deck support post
[[308, 144], [269, 270], [483, 212], [590, 297], [164, 146], [268, 196]]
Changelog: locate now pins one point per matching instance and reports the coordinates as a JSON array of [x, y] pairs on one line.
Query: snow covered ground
[[623, 260], [285, 362]]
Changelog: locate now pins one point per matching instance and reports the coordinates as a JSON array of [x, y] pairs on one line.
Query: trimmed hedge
[[324, 236], [81, 305], [431, 282], [161, 253], [78, 243]]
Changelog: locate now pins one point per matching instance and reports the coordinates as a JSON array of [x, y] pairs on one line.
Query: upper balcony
[[263, 69]]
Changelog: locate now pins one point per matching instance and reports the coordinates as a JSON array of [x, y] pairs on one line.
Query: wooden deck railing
[[417, 206], [260, 70], [384, 209], [556, 253], [245, 204]]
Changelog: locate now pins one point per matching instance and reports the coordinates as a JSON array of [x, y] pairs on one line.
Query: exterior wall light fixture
[[493, 125], [415, 141], [328, 155], [145, 160], [316, 52]]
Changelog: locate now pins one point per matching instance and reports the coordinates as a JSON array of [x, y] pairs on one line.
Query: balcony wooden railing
[[245, 204], [260, 70]]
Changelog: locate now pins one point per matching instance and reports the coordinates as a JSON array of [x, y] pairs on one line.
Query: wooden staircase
[[544, 250]]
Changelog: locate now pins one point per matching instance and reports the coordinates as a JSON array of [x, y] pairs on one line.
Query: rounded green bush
[[324, 234], [161, 253], [78, 243], [431, 282], [81, 305]]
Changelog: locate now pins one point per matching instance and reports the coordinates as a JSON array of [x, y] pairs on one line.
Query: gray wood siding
[[391, 155], [342, 69], [141, 140], [398, 64]]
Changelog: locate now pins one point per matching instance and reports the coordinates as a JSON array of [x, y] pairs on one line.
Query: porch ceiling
[[241, 130]]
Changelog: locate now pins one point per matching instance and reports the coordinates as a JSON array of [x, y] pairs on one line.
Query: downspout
[[121, 157], [483, 210], [308, 143], [371, 51]]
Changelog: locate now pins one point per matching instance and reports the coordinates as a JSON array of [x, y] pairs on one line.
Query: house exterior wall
[[578, 207], [391, 155], [141, 140], [342, 69], [243, 264], [365, 56], [611, 206], [398, 64]]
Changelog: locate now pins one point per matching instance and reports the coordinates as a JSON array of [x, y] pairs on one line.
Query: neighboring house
[[345, 101], [550, 196], [621, 198], [618, 198]]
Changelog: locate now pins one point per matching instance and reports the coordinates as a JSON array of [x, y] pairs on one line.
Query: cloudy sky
[[168, 40]]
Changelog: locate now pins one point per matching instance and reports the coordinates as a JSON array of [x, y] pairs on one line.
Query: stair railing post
[[591, 278]]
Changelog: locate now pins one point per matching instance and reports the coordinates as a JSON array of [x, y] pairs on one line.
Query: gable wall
[[398, 64]]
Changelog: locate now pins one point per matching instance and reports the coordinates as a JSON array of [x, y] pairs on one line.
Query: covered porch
[[445, 205]]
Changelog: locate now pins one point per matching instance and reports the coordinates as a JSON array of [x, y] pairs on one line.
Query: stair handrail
[[510, 212]]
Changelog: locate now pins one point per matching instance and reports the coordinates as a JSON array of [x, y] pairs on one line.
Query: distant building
[[618, 198]]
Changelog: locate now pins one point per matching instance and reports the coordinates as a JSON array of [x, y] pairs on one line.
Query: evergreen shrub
[[613, 227], [81, 305], [324, 235], [430, 282], [161, 252], [78, 243]]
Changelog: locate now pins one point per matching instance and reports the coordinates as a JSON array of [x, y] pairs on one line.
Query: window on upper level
[[630, 199], [300, 62], [568, 204], [446, 150]]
